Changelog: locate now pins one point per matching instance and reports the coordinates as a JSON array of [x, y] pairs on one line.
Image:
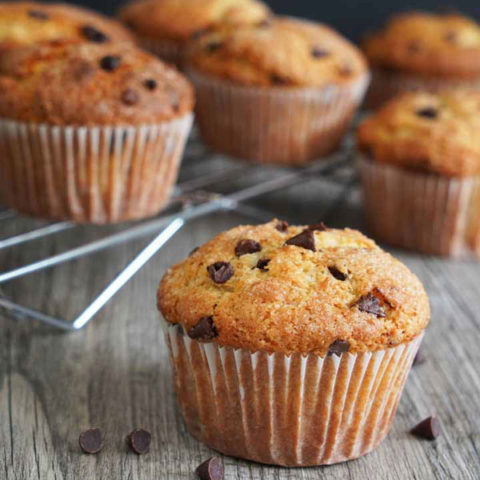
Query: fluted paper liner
[[167, 50], [90, 174], [429, 213], [274, 125], [386, 84], [287, 410]]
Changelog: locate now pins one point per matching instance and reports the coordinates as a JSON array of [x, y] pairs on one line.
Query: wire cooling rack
[[208, 183]]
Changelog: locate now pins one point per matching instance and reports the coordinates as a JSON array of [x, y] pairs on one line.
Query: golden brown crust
[[28, 23], [428, 44], [296, 304], [427, 132], [284, 52], [178, 20], [91, 84]]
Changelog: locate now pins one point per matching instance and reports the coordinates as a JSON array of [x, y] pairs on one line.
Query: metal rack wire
[[196, 195]]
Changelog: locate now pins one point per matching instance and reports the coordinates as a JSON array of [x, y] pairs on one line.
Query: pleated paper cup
[[90, 174], [386, 84], [289, 126], [425, 212], [287, 410], [167, 50]]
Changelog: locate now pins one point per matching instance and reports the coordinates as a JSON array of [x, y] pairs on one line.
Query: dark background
[[352, 17]]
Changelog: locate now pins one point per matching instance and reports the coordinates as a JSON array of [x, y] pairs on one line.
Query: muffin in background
[[283, 92], [420, 169], [24, 24], [423, 51], [90, 132], [166, 26], [291, 345]]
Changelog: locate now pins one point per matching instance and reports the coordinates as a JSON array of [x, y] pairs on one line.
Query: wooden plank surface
[[115, 373]]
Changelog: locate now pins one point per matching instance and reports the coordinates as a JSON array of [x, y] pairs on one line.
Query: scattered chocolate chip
[[419, 359], [198, 33], [345, 70], [427, 112], [150, 84], [319, 227], [265, 23], [91, 440], [282, 226], [319, 52], [93, 35], [247, 246], [338, 347], [211, 469], [203, 330], [129, 97], [139, 441], [337, 273], [109, 63], [306, 240], [38, 14], [371, 304], [428, 428], [220, 272], [193, 251], [450, 36], [213, 46], [277, 79], [413, 46], [263, 263]]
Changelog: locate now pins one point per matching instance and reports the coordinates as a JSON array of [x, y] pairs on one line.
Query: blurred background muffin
[[91, 132], [283, 92], [423, 51], [420, 169], [166, 26]]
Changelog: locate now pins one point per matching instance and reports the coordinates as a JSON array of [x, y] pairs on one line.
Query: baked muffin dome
[[427, 43], [282, 52], [294, 289], [91, 84], [432, 132], [178, 20], [28, 23]]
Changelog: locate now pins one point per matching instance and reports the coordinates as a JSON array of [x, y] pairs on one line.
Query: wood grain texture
[[115, 373]]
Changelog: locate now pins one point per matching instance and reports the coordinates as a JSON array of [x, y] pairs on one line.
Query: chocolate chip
[[265, 23], [450, 36], [345, 70], [282, 226], [263, 263], [203, 330], [193, 251], [413, 46], [337, 273], [318, 227], [419, 359], [198, 33], [91, 440], [38, 14], [246, 246], [319, 52], [211, 469], [277, 79], [139, 441], [220, 272], [338, 347], [150, 84], [371, 304], [213, 46], [93, 35], [428, 428], [109, 63], [306, 240], [129, 97], [427, 112]]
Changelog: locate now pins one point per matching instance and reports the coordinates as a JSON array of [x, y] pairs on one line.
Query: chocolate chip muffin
[[29, 23], [277, 334], [166, 26], [423, 51], [420, 165], [90, 132], [283, 92]]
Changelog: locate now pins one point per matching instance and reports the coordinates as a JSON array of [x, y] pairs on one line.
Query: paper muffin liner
[[288, 126], [287, 410], [386, 84], [90, 174], [426, 212], [167, 50]]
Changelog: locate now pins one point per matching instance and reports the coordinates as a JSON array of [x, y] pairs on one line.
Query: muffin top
[[286, 289], [90, 84], [28, 23], [178, 20], [426, 132], [283, 52], [425, 43]]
